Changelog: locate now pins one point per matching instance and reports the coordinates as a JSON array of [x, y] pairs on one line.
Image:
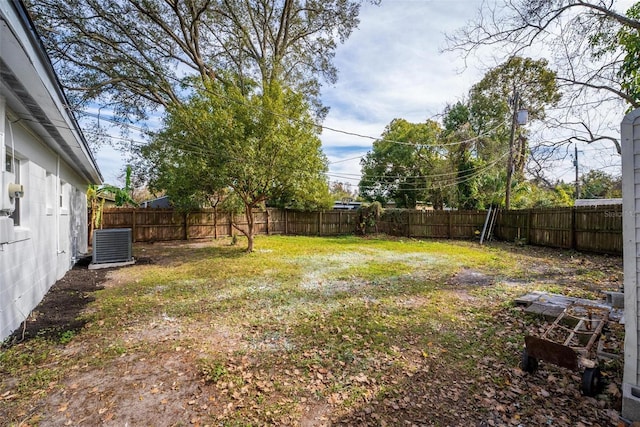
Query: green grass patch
[[304, 319]]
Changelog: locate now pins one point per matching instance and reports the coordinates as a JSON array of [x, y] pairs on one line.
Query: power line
[[454, 183]]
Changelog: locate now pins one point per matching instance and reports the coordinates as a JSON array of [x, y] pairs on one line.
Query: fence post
[[574, 242], [267, 213], [215, 223], [320, 223], [286, 225], [133, 224], [186, 225], [450, 232]]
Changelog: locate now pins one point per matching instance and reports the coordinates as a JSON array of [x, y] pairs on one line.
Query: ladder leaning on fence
[[489, 224]]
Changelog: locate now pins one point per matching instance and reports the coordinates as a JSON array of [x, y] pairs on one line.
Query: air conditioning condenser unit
[[112, 246]]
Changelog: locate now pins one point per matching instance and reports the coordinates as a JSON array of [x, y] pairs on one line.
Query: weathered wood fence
[[594, 229], [589, 229]]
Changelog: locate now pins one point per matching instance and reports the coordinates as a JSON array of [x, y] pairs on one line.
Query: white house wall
[[630, 141], [55, 168], [50, 237]]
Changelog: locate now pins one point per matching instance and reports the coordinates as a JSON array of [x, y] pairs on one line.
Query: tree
[[518, 83], [478, 131], [342, 191], [135, 55], [629, 39], [528, 195], [600, 185], [96, 197], [491, 109], [252, 148], [405, 165], [590, 44], [458, 133]]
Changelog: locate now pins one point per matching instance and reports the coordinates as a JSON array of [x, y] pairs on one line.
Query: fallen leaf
[[613, 389]]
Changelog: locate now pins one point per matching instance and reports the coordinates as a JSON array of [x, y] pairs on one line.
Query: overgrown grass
[[360, 312]]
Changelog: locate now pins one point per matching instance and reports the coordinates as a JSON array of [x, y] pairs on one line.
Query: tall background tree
[[464, 162], [135, 55], [404, 166], [518, 83], [592, 45], [596, 184], [491, 105], [249, 148], [463, 155]]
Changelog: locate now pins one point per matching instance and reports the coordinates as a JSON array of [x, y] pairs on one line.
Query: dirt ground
[[168, 390]]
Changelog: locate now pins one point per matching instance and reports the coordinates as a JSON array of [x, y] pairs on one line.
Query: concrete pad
[[552, 305], [93, 266], [546, 310]]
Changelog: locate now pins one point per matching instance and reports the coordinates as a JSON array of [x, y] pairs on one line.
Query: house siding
[[50, 237], [48, 155], [630, 141]]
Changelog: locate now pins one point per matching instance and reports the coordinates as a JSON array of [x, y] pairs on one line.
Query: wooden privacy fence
[[594, 229], [149, 225], [589, 229]]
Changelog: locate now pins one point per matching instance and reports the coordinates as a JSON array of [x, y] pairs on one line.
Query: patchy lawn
[[305, 331]]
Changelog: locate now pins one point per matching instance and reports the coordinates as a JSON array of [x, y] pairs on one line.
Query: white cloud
[[391, 67]]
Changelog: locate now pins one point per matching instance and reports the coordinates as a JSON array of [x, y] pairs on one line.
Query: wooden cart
[[573, 341]]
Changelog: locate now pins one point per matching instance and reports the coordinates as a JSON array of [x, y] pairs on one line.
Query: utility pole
[[575, 163], [514, 122]]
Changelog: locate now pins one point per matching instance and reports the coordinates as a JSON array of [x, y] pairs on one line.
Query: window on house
[[63, 197]]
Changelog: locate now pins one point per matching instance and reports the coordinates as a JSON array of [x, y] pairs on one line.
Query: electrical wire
[[455, 182]]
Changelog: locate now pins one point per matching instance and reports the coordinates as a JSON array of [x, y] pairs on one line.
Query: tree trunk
[[248, 211], [92, 221]]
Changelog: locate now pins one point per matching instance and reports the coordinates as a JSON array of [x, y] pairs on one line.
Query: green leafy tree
[[528, 194], [342, 191], [595, 53], [405, 165], [478, 131], [600, 185], [96, 197], [628, 38], [491, 110], [463, 155], [530, 84], [135, 55], [467, 189], [254, 147]]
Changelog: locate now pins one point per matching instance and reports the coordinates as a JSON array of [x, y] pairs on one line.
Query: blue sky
[[392, 67]]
